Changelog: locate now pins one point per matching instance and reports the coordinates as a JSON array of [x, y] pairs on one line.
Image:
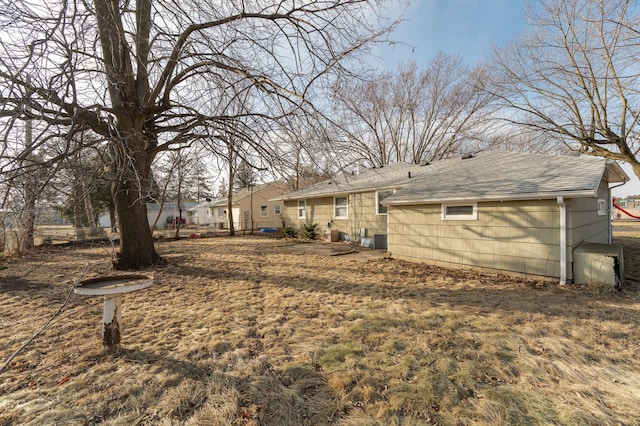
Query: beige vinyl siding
[[584, 222], [319, 210], [362, 213], [520, 236], [361, 210]]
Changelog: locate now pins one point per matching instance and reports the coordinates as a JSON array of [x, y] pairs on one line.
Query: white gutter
[[587, 193], [563, 240]]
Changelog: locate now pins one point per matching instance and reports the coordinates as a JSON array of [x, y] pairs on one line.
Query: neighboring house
[[631, 202], [168, 216], [252, 208], [630, 207], [514, 212], [349, 203]]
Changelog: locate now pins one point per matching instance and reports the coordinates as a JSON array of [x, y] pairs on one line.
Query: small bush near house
[[311, 231], [288, 232]]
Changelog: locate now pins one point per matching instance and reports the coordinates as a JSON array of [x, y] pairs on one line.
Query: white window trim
[[304, 210], [265, 211], [277, 209], [472, 216], [378, 213], [346, 206], [602, 207]]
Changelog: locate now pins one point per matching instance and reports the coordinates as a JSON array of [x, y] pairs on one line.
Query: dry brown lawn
[[262, 331]]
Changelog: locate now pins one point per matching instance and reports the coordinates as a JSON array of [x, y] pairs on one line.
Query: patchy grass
[[249, 331]]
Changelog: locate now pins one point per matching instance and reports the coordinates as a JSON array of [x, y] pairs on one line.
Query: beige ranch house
[[517, 213], [252, 208]]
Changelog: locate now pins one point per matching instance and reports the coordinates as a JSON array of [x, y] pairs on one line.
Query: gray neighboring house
[[512, 212]]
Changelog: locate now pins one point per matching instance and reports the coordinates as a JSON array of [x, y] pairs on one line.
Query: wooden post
[[111, 318]]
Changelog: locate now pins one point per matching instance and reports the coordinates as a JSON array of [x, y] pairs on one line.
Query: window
[[460, 211], [221, 212], [277, 209], [264, 211], [340, 208], [381, 195], [302, 209], [602, 207]]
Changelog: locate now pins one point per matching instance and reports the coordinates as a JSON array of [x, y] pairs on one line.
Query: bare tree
[[179, 175], [307, 151], [141, 74], [412, 115], [575, 77], [79, 174]]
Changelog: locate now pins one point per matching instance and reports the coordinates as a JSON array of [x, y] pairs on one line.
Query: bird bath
[[112, 288]]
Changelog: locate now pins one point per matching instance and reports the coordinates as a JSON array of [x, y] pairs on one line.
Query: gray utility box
[[380, 241], [596, 263]]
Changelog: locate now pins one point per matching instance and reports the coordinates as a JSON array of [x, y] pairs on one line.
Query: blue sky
[[464, 27], [468, 28]]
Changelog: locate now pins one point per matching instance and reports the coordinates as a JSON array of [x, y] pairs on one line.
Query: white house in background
[[169, 214], [251, 209]]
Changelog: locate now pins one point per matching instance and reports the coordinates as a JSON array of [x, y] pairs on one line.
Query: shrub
[[311, 231], [288, 232]]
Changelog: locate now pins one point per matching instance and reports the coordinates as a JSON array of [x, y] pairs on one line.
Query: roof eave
[[615, 169], [495, 197], [341, 193]]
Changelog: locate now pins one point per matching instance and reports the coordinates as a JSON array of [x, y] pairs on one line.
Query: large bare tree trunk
[[136, 240], [133, 148]]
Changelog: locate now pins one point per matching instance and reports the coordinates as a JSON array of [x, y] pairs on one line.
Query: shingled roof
[[391, 176], [508, 176]]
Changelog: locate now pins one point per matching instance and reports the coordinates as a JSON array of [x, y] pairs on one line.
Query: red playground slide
[[623, 210]]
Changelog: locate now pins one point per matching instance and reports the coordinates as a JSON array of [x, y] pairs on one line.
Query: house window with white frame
[[602, 207], [302, 209], [264, 211], [467, 211], [381, 195], [277, 209], [340, 210], [221, 212]]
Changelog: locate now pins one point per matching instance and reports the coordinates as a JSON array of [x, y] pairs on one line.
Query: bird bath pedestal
[[112, 288]]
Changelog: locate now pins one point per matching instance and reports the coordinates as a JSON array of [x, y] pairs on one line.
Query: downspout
[[610, 211], [563, 240]]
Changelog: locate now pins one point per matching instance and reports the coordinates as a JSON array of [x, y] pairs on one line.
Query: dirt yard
[[264, 331]]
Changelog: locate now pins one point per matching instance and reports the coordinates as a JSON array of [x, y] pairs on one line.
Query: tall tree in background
[[141, 75], [245, 175], [307, 151], [575, 77], [179, 176], [412, 115]]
